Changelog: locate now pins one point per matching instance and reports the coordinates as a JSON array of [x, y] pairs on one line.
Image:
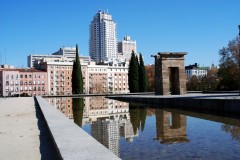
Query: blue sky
[[199, 27]]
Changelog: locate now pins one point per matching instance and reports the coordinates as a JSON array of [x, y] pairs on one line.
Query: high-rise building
[[125, 48], [103, 37]]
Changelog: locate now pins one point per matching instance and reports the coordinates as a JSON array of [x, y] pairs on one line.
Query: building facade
[[97, 79], [195, 70], [103, 37], [64, 53], [125, 48], [30, 82]]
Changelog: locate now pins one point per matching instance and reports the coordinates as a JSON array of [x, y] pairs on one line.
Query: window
[[7, 83], [25, 76]]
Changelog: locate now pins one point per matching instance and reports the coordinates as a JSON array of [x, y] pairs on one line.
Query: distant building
[[23, 81], [125, 48], [195, 70], [103, 37], [65, 53], [97, 79], [34, 59]]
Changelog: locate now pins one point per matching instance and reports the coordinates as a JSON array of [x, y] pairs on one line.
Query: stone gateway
[[170, 77]]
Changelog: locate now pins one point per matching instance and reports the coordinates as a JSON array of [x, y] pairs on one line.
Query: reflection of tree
[[137, 116], [234, 131], [77, 106]]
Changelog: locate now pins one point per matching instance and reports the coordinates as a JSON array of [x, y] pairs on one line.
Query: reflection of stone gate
[[171, 127], [170, 75]]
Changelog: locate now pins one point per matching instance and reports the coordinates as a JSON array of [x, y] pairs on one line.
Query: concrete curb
[[71, 141], [221, 105]]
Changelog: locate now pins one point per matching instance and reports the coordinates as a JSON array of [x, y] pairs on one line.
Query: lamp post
[[239, 56]]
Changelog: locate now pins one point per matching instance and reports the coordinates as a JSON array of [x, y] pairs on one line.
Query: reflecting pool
[[134, 131]]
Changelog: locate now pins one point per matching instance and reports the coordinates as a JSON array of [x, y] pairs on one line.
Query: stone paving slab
[[19, 134]]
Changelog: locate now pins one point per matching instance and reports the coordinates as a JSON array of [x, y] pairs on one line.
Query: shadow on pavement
[[47, 148]]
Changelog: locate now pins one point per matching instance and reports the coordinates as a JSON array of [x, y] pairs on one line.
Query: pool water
[[133, 131]]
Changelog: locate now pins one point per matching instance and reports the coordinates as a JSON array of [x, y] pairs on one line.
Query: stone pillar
[[170, 77]]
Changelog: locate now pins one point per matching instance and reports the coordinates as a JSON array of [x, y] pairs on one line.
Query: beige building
[[125, 48], [30, 82], [97, 79]]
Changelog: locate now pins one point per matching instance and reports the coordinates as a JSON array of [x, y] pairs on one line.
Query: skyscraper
[[103, 37]]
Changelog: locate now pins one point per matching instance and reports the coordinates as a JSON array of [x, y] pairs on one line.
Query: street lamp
[[239, 56]]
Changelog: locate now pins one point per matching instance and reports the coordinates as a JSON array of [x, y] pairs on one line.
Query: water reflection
[[138, 117], [234, 131], [77, 110], [118, 124], [171, 127]]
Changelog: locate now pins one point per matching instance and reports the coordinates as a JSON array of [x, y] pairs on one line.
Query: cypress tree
[[133, 74], [77, 80], [142, 76]]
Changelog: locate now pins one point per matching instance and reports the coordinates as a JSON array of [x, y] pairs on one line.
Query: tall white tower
[[103, 37]]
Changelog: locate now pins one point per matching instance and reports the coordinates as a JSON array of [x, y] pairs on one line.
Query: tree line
[[227, 76], [137, 80]]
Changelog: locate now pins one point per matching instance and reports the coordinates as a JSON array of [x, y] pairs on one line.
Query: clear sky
[[199, 27]]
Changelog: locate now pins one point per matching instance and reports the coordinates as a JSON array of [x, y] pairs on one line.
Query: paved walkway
[[19, 133]]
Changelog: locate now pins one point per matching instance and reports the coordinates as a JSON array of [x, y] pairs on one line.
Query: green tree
[[77, 80], [142, 76], [228, 65], [133, 76]]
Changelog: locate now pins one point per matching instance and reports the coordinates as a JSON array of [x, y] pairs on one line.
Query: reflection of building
[[63, 104], [110, 119], [106, 131], [126, 130], [171, 127]]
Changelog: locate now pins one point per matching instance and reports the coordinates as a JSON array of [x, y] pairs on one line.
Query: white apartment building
[[125, 48], [64, 53], [195, 70], [103, 38]]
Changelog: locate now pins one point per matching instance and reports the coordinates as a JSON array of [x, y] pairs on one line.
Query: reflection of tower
[[171, 127], [126, 130], [106, 131]]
